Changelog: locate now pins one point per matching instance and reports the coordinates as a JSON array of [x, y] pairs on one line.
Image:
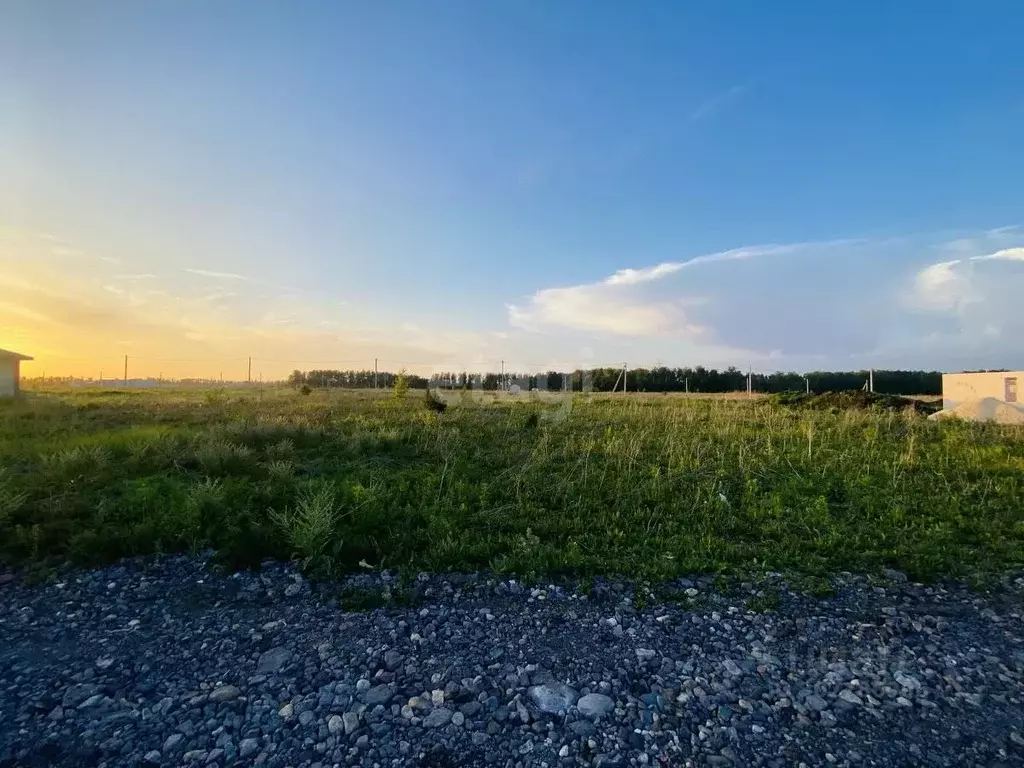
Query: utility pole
[[502, 385], [750, 381], [807, 385], [687, 385], [375, 373], [126, 370], [625, 378], [250, 370], [871, 380]]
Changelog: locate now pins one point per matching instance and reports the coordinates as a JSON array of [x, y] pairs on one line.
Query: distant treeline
[[660, 379]]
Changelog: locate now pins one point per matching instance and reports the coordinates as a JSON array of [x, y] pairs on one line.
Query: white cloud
[[943, 287], [840, 303], [619, 305], [593, 308], [1006, 254]]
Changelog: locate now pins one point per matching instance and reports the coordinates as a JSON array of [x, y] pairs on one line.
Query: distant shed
[[1004, 386], [10, 372]]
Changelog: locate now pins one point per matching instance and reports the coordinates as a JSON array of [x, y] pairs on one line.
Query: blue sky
[[458, 183]]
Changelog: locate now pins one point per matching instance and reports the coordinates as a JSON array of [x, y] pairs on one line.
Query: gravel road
[[168, 663]]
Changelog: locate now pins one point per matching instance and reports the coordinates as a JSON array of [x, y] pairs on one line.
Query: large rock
[[351, 722], [815, 702], [335, 725], [76, 694], [438, 718], [379, 694], [595, 705], [224, 693], [553, 698], [273, 661]]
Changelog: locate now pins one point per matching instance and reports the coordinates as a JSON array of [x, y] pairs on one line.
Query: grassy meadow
[[640, 486]]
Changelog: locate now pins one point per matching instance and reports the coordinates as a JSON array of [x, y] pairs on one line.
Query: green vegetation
[[647, 487], [661, 379]]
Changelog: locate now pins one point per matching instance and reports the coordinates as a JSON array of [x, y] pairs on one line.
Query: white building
[[1004, 386], [10, 372]]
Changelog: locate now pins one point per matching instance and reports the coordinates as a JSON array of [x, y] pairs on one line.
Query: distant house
[[10, 372], [959, 388]]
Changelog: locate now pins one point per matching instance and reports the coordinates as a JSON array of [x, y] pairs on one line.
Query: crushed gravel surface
[[167, 663]]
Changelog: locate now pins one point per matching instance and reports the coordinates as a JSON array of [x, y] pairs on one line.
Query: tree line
[[660, 379]]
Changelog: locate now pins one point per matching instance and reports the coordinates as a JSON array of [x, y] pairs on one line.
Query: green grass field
[[643, 486]]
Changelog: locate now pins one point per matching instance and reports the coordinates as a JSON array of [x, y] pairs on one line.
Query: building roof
[[7, 355]]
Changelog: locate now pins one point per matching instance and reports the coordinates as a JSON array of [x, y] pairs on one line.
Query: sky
[[447, 185]]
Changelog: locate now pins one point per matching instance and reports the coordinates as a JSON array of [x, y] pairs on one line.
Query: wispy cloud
[[659, 271], [718, 102], [219, 296], [1006, 254], [220, 275]]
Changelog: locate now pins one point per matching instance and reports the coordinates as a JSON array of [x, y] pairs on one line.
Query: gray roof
[[5, 354]]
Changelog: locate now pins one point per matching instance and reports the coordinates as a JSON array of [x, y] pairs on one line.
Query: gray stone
[[224, 693], [248, 747], [553, 698], [419, 703], [335, 725], [582, 728], [173, 742], [362, 685], [94, 702], [379, 694], [351, 722], [306, 717], [815, 702], [194, 756], [595, 705], [438, 718], [215, 755], [849, 696], [363, 742], [153, 757], [76, 694], [894, 575], [273, 661], [392, 659], [907, 681], [458, 719]]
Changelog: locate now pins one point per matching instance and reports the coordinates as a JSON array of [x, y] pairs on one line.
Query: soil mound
[[852, 399]]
